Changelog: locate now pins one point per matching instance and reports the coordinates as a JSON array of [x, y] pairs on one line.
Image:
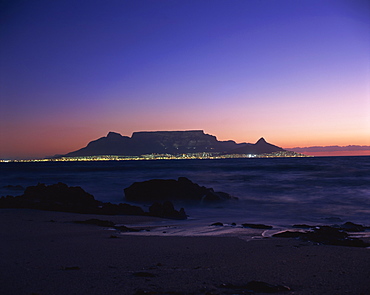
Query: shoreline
[[45, 252]]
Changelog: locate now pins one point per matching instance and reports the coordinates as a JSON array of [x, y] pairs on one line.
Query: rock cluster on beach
[[172, 190], [338, 235], [166, 210], [60, 197], [160, 192], [328, 235]]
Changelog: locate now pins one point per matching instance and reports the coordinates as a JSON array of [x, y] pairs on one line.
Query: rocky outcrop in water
[[55, 197], [257, 226], [172, 190], [60, 197]]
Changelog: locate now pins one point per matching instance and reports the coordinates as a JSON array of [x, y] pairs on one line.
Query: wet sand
[[47, 253]]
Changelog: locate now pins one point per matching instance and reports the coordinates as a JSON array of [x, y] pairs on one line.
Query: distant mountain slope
[[260, 147], [112, 144], [331, 148], [334, 150], [170, 142]]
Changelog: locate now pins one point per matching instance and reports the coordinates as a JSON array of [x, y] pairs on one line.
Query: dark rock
[[171, 189], [166, 210], [59, 192], [127, 209], [326, 235], [352, 227], [183, 214], [258, 226], [56, 197], [348, 227], [10, 202], [289, 234], [109, 209], [60, 197], [120, 209], [217, 224], [331, 236]]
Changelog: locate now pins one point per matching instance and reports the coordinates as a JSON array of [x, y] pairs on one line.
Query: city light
[[187, 156]]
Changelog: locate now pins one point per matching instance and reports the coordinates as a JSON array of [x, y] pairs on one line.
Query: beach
[[45, 252]]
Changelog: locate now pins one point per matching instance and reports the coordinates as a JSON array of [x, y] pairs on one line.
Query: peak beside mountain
[[260, 147], [169, 142], [261, 140], [112, 134]]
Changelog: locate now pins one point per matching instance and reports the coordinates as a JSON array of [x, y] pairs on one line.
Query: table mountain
[[168, 142]]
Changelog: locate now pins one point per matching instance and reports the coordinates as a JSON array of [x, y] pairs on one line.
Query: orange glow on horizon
[[338, 153]]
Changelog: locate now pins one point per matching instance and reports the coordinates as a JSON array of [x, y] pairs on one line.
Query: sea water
[[274, 191]]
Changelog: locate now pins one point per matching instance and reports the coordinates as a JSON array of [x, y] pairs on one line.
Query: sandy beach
[[47, 253]]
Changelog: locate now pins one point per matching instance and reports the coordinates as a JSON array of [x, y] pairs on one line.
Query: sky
[[294, 72]]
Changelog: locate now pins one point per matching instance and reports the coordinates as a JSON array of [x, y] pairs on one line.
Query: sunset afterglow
[[293, 72]]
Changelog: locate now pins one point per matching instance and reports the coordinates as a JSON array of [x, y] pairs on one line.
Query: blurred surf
[[277, 191]]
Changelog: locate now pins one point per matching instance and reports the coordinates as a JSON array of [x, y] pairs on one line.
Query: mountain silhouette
[[169, 142], [260, 147]]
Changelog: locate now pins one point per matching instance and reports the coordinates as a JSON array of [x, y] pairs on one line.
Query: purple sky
[[295, 72]]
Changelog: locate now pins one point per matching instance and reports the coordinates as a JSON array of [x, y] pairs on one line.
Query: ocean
[[276, 191]]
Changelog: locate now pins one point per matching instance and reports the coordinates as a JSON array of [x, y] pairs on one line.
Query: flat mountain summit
[[169, 142]]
